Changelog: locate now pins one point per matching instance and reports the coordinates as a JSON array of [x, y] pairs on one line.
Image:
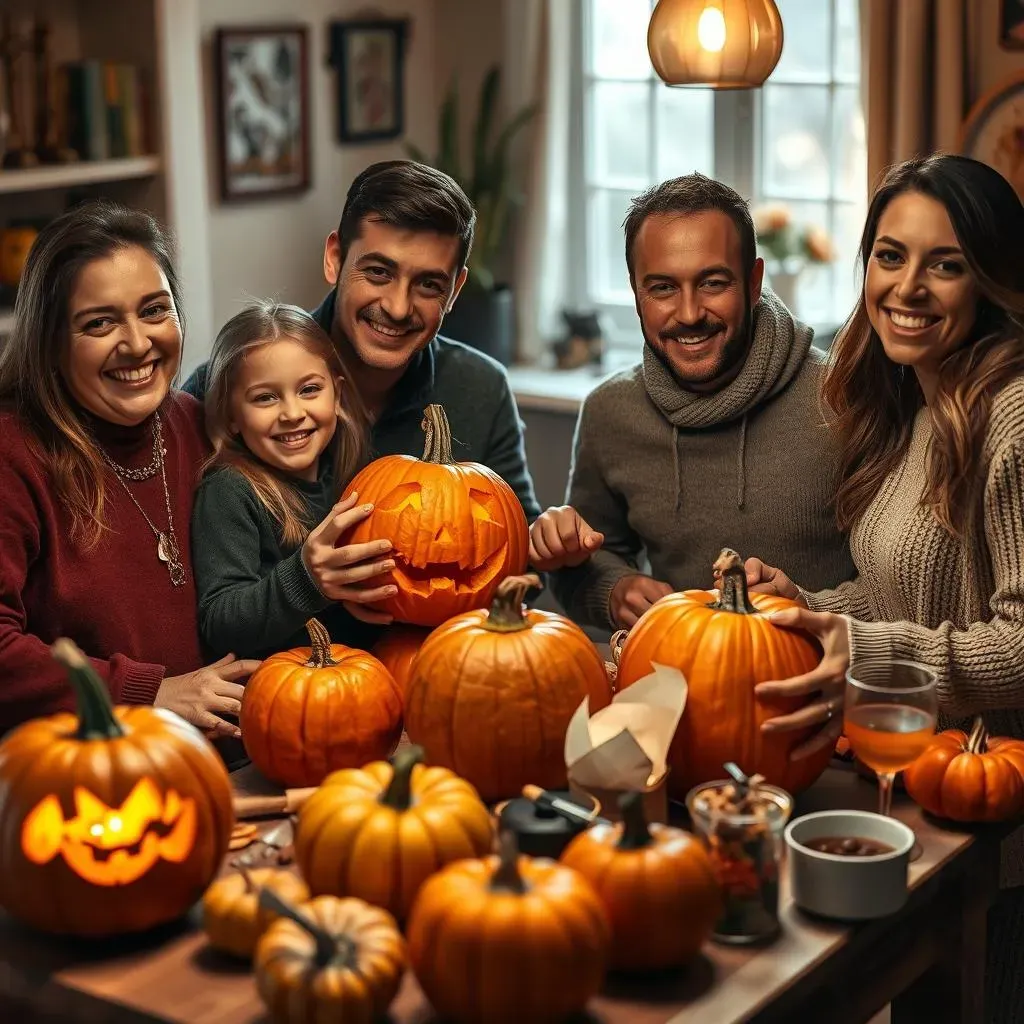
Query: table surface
[[174, 976]]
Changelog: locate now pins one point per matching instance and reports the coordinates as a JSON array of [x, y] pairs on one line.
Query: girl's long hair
[[259, 324], [876, 400], [31, 382]]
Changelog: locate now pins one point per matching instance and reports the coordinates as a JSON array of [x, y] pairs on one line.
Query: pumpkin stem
[[636, 833], [328, 948], [250, 885], [507, 875], [96, 718], [320, 641], [399, 791], [616, 643], [437, 447], [506, 614], [731, 578], [977, 742]]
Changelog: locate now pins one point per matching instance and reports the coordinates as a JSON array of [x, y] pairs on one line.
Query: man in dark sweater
[[395, 266]]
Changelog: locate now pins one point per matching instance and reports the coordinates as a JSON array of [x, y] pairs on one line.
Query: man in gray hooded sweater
[[716, 439]]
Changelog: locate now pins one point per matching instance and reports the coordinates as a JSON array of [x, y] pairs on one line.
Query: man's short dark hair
[[410, 196], [692, 193]]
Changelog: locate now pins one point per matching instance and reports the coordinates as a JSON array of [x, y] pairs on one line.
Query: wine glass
[[889, 717]]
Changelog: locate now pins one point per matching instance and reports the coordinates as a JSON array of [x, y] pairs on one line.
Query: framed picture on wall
[[1011, 24], [262, 79], [369, 57], [994, 131]]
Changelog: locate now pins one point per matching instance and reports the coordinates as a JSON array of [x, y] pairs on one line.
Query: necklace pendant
[[166, 548]]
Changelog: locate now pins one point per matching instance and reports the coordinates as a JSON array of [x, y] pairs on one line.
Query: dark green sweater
[[254, 593]]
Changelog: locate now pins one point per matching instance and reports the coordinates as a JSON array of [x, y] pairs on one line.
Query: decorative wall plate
[[994, 131]]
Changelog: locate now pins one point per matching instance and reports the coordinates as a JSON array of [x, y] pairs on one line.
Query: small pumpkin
[[969, 778], [378, 832], [657, 885], [508, 939], [492, 693], [113, 820], [724, 645], [328, 959], [232, 916], [313, 710], [456, 528], [397, 650]]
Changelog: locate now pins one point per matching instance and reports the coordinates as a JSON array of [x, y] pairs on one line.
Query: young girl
[[287, 432]]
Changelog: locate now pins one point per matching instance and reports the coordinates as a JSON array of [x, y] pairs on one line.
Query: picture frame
[[369, 58], [1011, 24], [993, 131], [262, 79]]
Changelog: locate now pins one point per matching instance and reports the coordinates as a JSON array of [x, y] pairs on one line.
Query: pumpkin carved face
[[112, 845]]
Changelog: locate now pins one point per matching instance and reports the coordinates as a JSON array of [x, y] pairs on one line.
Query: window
[[798, 141]]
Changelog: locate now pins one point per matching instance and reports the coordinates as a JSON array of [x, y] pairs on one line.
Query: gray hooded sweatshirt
[[676, 476]]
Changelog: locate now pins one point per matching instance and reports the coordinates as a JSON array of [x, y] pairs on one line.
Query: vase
[[784, 284]]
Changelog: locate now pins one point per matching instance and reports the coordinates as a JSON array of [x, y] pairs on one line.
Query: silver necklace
[[167, 549]]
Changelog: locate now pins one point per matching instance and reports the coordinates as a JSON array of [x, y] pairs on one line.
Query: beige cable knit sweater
[[957, 606]]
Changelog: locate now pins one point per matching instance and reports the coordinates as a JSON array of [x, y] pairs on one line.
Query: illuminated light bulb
[[96, 830], [114, 823], [711, 29]]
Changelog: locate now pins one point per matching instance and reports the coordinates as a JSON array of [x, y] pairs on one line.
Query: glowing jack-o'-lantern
[[114, 821], [456, 528]]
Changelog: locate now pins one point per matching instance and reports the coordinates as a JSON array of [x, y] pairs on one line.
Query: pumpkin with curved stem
[[725, 645], [508, 939], [377, 833], [328, 959], [114, 820], [232, 916], [397, 650], [456, 528], [657, 885], [492, 693], [314, 710], [969, 778]]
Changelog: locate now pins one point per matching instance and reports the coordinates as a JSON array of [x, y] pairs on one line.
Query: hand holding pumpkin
[[203, 696], [561, 537], [632, 596], [766, 579]]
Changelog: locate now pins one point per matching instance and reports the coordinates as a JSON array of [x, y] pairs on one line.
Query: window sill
[[544, 388]]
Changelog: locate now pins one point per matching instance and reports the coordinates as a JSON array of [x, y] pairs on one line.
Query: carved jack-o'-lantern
[[456, 529], [114, 821]]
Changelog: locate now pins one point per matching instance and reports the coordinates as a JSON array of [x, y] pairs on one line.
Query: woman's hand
[[827, 682], [766, 579], [561, 537], [337, 571], [203, 696]]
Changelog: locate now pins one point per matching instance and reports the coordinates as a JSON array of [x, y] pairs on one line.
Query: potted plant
[[483, 315], [787, 248]]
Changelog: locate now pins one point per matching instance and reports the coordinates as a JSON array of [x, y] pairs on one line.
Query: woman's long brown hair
[[875, 400], [31, 382], [262, 323]]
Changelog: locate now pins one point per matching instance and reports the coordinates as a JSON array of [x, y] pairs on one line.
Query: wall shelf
[[88, 172]]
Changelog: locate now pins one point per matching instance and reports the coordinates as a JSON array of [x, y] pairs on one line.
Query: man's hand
[[766, 579], [632, 596], [561, 537]]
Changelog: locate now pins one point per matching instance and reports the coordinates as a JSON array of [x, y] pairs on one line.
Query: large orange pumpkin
[[397, 650], [492, 693], [725, 646], [313, 710], [456, 528], [111, 821], [969, 778]]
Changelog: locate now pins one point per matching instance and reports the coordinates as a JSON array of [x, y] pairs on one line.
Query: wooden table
[[927, 960]]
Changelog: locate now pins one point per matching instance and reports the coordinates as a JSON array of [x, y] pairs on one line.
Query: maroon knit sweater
[[115, 600]]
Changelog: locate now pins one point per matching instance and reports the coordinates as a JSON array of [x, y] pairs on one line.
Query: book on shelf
[[106, 104]]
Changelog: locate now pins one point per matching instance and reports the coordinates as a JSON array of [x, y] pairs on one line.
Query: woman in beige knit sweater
[[926, 385]]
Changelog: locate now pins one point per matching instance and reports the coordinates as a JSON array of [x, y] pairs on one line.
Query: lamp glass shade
[[723, 44]]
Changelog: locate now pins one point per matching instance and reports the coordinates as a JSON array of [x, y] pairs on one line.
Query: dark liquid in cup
[[848, 846]]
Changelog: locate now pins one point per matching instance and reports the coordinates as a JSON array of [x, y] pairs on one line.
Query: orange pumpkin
[[15, 245], [969, 778], [397, 650], [725, 646], [456, 528], [378, 832], [112, 821], [508, 939], [492, 693], [313, 710], [657, 885]]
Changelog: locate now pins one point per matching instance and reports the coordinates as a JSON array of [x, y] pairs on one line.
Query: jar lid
[[524, 817]]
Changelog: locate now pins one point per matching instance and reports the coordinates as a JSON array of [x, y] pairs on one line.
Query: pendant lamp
[[724, 44]]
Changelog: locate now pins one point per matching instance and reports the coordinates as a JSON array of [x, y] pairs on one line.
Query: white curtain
[[538, 68]]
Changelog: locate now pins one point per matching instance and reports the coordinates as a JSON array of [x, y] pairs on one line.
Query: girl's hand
[[338, 571], [766, 579], [827, 681], [562, 537], [204, 696]]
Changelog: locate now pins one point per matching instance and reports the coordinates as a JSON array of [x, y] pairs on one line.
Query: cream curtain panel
[[914, 65]]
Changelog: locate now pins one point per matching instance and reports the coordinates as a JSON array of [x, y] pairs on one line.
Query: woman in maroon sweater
[[98, 460]]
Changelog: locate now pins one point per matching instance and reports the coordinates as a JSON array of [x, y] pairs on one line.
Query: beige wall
[[990, 64]]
